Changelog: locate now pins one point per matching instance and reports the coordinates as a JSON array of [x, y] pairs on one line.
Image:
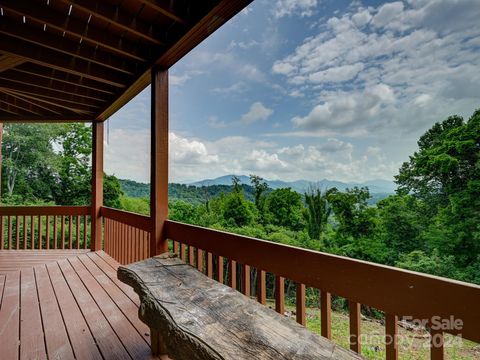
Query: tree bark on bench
[[194, 317]]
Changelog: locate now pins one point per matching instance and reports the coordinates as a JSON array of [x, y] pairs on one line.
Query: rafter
[[49, 84], [67, 78], [8, 109], [50, 93], [35, 103], [64, 45], [43, 14], [17, 104], [56, 60], [163, 7], [8, 61], [114, 15], [18, 118]]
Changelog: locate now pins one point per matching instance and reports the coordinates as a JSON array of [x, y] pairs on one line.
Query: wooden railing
[[394, 291], [126, 235], [44, 227]]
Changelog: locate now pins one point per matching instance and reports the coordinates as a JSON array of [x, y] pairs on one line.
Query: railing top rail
[[393, 290], [44, 210], [136, 220]]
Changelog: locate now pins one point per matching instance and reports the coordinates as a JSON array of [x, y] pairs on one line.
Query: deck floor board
[[67, 304]]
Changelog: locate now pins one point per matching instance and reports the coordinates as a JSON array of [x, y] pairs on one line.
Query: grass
[[413, 345]]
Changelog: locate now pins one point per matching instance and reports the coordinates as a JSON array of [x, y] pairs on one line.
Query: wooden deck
[[65, 305]]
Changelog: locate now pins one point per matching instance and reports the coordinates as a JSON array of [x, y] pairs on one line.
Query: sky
[[310, 89]]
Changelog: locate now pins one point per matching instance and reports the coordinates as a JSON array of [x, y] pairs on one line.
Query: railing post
[[97, 186], [159, 160]]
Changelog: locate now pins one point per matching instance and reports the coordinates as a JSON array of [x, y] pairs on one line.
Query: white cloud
[[386, 13], [257, 112], [213, 122], [336, 74], [301, 8], [179, 80]]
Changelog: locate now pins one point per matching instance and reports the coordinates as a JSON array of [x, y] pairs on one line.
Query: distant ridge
[[375, 186]]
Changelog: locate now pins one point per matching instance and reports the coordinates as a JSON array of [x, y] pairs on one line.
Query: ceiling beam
[[35, 103], [43, 83], [52, 74], [17, 118], [163, 8], [56, 60], [8, 61], [8, 109], [19, 104], [82, 30], [66, 46], [114, 15]]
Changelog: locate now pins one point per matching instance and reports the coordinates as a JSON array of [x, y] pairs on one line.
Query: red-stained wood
[[85, 240], [300, 305], [391, 333], [200, 260], [79, 332], [62, 230], [159, 160], [326, 314], [2, 235], [43, 210], [77, 229], [191, 255], [232, 274], [32, 232], [25, 239], [176, 247], [355, 326], [56, 338], [104, 335], [246, 280], [183, 250], [17, 232], [261, 287], [47, 233], [70, 232], [32, 345], [55, 232], [97, 186], [220, 270], [10, 317], [9, 232], [40, 232], [209, 265], [280, 294], [436, 345], [126, 217]]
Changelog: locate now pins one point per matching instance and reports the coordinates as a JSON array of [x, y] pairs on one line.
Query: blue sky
[[310, 89]]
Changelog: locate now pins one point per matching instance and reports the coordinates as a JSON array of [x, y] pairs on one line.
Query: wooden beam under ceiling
[[163, 7]]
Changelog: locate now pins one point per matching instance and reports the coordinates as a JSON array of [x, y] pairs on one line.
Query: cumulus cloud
[[301, 8], [399, 66], [257, 112]]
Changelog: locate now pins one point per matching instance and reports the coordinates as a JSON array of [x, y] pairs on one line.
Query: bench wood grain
[[194, 317]]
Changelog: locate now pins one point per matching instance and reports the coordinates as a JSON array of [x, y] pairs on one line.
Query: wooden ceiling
[[81, 60]]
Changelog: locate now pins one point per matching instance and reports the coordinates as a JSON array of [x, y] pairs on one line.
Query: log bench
[[197, 318]]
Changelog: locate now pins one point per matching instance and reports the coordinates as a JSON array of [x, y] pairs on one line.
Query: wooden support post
[[391, 332], [436, 344], [355, 324], [280, 294], [261, 287], [300, 302], [97, 186], [326, 314], [159, 160]]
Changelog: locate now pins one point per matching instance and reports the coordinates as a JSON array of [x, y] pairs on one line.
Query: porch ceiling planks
[[80, 60]]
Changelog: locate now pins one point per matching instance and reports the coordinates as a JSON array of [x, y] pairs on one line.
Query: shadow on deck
[[67, 304]]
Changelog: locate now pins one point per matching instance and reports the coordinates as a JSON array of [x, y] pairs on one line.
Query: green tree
[[112, 191], [284, 207], [317, 212]]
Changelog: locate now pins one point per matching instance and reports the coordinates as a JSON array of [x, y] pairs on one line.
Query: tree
[[236, 209], [356, 219], [317, 212], [260, 187], [284, 207], [112, 191]]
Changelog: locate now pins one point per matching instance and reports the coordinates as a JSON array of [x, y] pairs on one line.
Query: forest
[[431, 224]]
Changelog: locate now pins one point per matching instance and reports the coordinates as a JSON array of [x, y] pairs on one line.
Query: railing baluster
[[70, 232], [47, 233], [9, 233], [355, 325], [191, 258], [175, 247], [436, 344], [326, 314], [182, 251], [55, 232], [77, 228], [40, 242], [232, 271], [32, 232], [25, 241], [2, 235], [62, 230], [220, 269], [246, 280], [280, 294], [261, 287], [209, 265], [17, 233], [300, 302], [200, 260], [85, 222], [391, 332]]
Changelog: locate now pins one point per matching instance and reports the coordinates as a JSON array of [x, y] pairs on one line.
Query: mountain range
[[375, 186]]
